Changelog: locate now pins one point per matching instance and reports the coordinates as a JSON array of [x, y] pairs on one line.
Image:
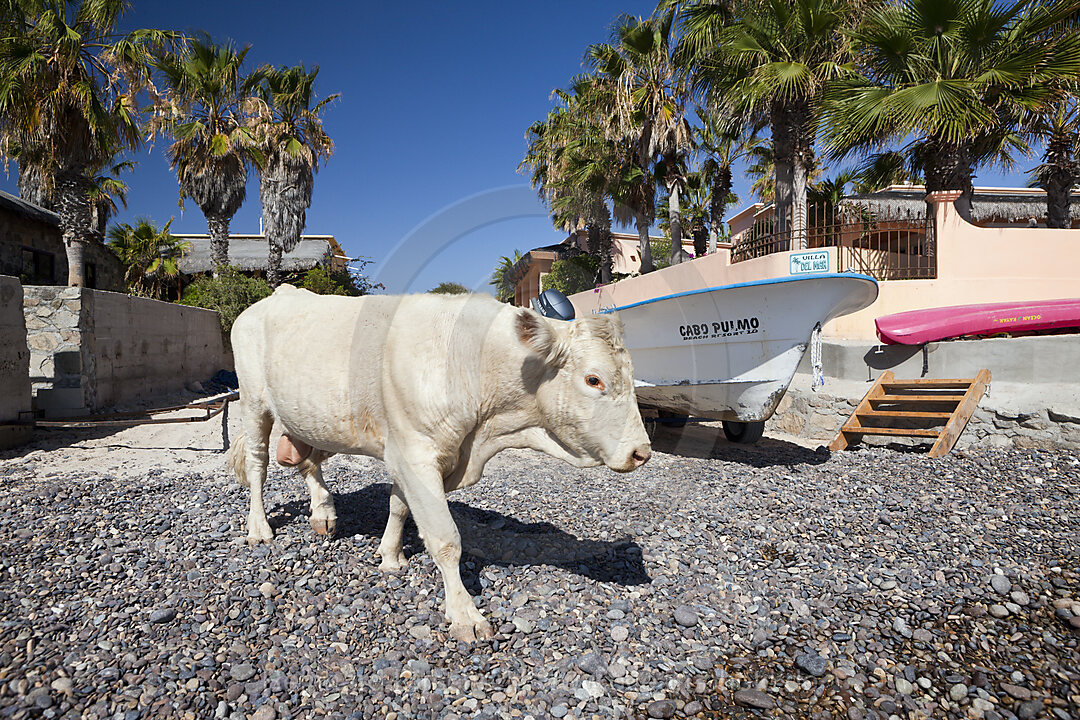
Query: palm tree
[[954, 77], [773, 59], [1058, 127], [500, 277], [291, 137], [574, 166], [212, 146], [68, 88], [648, 93], [724, 140], [151, 256], [106, 188]]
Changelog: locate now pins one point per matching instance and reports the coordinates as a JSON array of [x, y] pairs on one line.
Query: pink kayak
[[916, 327]]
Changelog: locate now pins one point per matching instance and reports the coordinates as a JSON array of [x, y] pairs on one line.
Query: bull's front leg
[[422, 486], [393, 558]]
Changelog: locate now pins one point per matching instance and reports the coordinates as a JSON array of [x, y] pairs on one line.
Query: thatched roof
[[29, 210], [250, 253], [1005, 205]]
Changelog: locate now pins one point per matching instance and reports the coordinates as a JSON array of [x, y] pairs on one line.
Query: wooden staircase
[[951, 402]]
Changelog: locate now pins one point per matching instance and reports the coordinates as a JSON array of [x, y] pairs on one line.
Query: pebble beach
[[719, 581]]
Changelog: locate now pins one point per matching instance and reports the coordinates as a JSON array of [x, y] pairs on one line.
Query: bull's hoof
[[392, 563], [259, 531], [470, 630], [324, 525]]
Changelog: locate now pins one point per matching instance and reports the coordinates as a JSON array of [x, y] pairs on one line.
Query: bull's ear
[[538, 335]]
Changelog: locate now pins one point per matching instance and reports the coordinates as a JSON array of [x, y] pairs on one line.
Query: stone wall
[[92, 349], [14, 361]]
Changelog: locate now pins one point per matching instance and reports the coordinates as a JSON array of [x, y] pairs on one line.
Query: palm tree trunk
[[73, 207], [645, 249], [604, 224], [800, 180], [273, 264], [948, 167], [783, 152], [219, 241], [718, 204], [675, 221], [1062, 173]]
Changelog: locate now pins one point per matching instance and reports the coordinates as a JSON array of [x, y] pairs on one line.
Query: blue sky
[[435, 100]]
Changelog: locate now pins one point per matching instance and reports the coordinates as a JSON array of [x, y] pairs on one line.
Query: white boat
[[729, 353]]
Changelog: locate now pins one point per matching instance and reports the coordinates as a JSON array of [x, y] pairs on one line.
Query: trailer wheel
[[672, 419], [743, 432]]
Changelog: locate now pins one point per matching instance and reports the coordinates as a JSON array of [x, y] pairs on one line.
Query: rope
[[815, 358]]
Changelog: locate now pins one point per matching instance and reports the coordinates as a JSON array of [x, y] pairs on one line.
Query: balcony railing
[[887, 243]]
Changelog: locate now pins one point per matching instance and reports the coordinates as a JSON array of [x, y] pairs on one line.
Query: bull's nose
[[641, 455]]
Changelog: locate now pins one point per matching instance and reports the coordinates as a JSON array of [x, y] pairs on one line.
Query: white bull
[[435, 386]]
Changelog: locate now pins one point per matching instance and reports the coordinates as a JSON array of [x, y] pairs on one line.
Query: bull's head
[[584, 385]]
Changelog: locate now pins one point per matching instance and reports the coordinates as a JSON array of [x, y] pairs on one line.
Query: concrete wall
[[1034, 397], [92, 349], [977, 265], [14, 361]]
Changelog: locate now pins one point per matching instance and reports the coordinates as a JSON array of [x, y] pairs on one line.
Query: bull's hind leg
[[257, 425], [323, 513], [393, 559]]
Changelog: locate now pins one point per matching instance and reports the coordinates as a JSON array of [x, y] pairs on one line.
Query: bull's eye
[[594, 381]]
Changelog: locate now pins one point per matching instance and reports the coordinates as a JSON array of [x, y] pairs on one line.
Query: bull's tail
[[235, 458]]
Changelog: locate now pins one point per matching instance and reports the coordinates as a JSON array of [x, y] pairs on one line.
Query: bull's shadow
[[488, 538]]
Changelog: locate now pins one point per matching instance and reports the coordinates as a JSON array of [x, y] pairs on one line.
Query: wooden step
[[904, 414], [917, 399], [863, 430], [923, 403], [925, 382]]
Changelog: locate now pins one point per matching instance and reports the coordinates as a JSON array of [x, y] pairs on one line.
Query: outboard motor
[[553, 304]]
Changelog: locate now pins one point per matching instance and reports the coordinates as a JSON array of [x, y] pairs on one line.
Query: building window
[[90, 275], [38, 266]]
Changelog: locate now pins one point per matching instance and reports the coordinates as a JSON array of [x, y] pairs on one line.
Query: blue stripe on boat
[[752, 283]]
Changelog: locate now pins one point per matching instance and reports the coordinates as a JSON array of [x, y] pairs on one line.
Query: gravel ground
[[718, 581]]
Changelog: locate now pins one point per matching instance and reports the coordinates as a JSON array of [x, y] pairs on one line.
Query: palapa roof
[[27, 209], [989, 204], [251, 253]]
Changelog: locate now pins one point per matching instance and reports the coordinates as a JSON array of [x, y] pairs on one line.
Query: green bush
[[450, 288], [321, 281], [572, 275], [229, 293]]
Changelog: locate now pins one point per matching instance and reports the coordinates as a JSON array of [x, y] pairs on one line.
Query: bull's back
[[314, 362]]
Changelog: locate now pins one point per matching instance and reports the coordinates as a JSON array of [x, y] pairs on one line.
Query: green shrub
[[229, 293], [321, 281], [449, 288], [572, 275]]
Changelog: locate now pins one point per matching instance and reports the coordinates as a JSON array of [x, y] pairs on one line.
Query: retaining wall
[[1033, 402], [92, 349], [14, 362]]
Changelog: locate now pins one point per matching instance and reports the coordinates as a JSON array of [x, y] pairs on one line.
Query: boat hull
[[729, 353], [917, 327]]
